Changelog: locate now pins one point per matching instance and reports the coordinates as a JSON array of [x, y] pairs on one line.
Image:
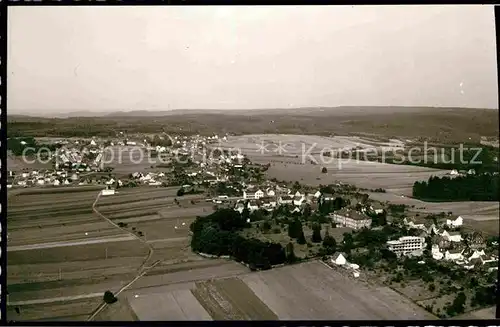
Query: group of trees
[[218, 234], [484, 187], [296, 231], [17, 145], [327, 206], [159, 141]]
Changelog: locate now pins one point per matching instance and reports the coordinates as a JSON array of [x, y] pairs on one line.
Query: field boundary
[[141, 270]]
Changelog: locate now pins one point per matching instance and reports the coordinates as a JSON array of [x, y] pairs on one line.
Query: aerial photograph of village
[[252, 163]]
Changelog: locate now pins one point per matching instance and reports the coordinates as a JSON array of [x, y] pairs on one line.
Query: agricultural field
[[482, 216], [288, 155], [321, 293], [231, 299], [60, 251], [318, 292], [17, 164], [127, 159]]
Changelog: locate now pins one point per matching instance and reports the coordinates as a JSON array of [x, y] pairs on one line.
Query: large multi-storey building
[[351, 218], [406, 244]]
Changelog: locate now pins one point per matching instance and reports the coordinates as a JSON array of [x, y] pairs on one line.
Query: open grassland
[[127, 159], [17, 164], [290, 157], [313, 291], [487, 227]]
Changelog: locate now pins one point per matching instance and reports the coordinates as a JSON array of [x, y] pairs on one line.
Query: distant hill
[[303, 111], [422, 123]]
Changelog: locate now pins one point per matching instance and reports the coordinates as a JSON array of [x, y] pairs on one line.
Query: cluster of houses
[[448, 244], [455, 172], [271, 197], [42, 178]]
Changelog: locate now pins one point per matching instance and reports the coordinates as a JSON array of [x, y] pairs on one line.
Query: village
[[229, 180]]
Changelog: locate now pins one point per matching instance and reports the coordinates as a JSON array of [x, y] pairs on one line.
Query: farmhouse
[[454, 255], [253, 205], [240, 206], [376, 208], [268, 202], [406, 245], [108, 192], [351, 218], [298, 200], [454, 223], [436, 252], [452, 236], [285, 199], [339, 258], [250, 194]]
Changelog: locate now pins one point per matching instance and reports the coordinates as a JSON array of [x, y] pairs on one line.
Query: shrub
[[109, 297]]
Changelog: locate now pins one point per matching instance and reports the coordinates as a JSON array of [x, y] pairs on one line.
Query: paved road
[[69, 243]]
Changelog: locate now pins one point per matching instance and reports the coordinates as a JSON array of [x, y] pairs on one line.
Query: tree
[[316, 236], [266, 226], [458, 305], [109, 297], [290, 254], [324, 170], [301, 239], [307, 211], [329, 241], [432, 287], [329, 244], [294, 228], [347, 242]]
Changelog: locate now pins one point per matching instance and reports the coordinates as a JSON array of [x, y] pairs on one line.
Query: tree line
[[218, 234], [18, 144], [483, 187]]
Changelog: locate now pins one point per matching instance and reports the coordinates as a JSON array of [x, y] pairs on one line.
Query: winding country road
[[141, 270]]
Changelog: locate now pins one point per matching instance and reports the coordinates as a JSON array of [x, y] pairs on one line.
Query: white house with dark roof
[[298, 200], [455, 223], [454, 255], [285, 199], [351, 218], [251, 194], [339, 258], [452, 236]]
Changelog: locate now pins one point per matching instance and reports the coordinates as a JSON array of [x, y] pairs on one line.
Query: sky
[[67, 59]]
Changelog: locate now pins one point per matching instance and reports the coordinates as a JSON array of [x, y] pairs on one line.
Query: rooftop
[[353, 214]]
